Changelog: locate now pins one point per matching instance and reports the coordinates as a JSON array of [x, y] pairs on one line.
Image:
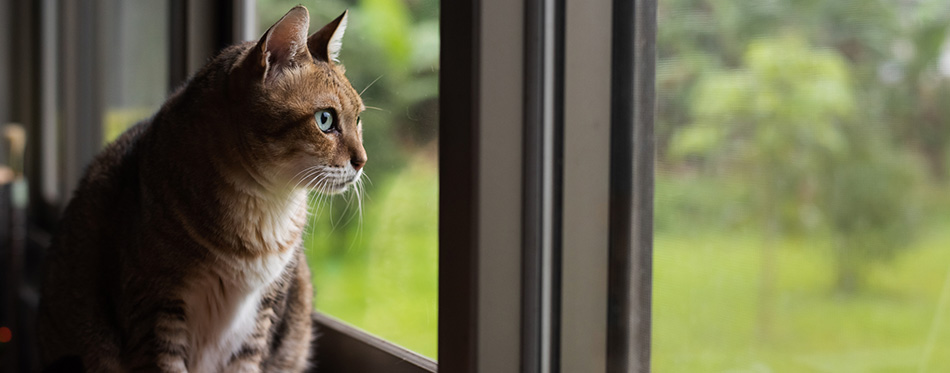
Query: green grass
[[709, 314], [385, 278]]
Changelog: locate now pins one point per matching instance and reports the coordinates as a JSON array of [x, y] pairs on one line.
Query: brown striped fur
[[181, 248]]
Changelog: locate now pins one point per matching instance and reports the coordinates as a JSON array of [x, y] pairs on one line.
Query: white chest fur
[[222, 305], [271, 224], [222, 309]]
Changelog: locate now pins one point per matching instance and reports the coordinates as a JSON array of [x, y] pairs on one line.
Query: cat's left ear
[[283, 45], [325, 44]]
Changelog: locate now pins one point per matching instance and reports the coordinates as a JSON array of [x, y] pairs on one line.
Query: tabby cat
[[181, 248]]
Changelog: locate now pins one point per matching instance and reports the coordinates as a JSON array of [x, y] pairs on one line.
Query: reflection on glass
[[802, 214], [134, 61], [375, 264]]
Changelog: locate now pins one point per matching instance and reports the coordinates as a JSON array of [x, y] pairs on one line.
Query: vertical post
[[458, 177], [480, 186], [81, 89], [47, 152], [585, 178], [543, 149], [199, 29], [244, 20], [631, 185], [177, 43], [500, 187]]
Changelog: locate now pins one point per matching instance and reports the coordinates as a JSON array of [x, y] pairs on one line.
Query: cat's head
[[301, 116]]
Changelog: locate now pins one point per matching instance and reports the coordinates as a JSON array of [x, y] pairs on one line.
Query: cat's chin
[[334, 189]]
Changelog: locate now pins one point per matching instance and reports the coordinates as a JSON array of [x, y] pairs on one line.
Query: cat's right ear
[[282, 47], [325, 44]]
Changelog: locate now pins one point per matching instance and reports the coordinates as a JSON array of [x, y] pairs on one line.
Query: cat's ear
[[325, 44], [284, 43]]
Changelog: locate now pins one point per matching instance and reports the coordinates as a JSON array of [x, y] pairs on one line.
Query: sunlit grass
[[709, 314], [383, 280]]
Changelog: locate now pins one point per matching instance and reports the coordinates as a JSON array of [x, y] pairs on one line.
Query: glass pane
[[134, 59], [802, 205], [374, 260]]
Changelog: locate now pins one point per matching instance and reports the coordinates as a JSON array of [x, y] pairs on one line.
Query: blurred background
[[802, 208], [802, 191]]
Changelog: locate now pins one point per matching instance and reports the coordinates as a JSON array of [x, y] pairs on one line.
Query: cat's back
[[80, 268], [109, 187]]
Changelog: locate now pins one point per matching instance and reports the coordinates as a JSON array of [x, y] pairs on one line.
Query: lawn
[[710, 314]]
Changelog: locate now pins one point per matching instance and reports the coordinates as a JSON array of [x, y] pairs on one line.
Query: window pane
[[134, 45], [374, 259], [802, 214]]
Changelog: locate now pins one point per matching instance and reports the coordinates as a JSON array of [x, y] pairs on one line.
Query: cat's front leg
[[248, 358], [294, 334], [171, 337]]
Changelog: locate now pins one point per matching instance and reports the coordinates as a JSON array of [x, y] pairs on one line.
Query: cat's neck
[[239, 212], [269, 223]]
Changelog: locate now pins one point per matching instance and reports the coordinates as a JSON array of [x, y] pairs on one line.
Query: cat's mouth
[[338, 186]]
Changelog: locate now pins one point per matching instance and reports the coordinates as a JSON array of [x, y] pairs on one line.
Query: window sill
[[342, 348]]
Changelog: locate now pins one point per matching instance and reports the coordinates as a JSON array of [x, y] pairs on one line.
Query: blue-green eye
[[324, 120]]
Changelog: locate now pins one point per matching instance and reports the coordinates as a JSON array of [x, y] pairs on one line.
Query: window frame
[[511, 209], [633, 97], [557, 157]]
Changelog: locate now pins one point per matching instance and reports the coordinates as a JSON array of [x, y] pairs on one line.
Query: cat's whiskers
[[377, 108], [319, 182], [370, 85], [324, 181], [346, 208], [316, 200], [359, 226], [322, 197], [308, 171], [360, 193]]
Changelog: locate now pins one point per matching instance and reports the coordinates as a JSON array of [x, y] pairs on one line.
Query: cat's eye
[[324, 120]]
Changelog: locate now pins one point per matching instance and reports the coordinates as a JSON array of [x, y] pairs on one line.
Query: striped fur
[[181, 248]]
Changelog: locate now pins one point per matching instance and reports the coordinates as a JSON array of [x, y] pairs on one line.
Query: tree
[[788, 117]]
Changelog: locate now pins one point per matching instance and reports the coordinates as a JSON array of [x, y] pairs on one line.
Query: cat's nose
[[357, 162]]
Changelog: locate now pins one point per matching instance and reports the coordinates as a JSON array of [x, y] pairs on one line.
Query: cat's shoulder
[[117, 157]]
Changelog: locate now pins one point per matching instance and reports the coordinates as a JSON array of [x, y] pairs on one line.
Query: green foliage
[[779, 117], [783, 103], [789, 100]]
